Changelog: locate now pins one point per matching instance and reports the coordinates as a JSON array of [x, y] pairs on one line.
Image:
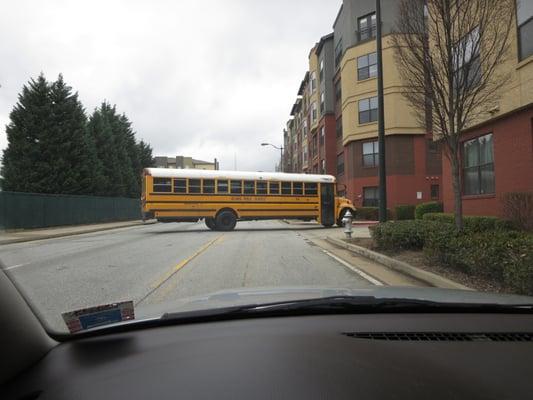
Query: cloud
[[210, 79]]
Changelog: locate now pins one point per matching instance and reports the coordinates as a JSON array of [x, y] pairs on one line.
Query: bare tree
[[449, 54]]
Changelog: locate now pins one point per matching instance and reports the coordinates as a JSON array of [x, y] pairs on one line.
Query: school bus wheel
[[210, 223], [226, 220]]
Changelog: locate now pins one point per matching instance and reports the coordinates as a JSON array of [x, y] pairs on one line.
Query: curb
[[424, 276], [57, 235]]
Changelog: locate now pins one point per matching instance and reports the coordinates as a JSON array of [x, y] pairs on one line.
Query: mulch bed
[[417, 259]]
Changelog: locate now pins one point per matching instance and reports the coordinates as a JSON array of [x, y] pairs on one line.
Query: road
[[159, 263]]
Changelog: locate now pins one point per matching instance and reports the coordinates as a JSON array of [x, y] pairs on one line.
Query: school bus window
[[194, 186], [297, 188], [162, 185], [209, 186], [180, 185], [310, 188], [274, 187], [261, 187], [249, 187], [236, 187], [222, 186], [286, 188]]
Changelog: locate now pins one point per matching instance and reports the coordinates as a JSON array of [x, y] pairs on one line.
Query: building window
[[338, 128], [236, 187], [321, 70], [195, 186], [312, 86], [370, 154], [338, 52], [367, 66], [434, 192], [322, 103], [370, 196], [478, 166], [367, 27], [313, 112], [368, 110], [433, 146], [466, 61], [322, 135], [340, 164], [163, 185], [209, 186], [524, 18], [338, 91]]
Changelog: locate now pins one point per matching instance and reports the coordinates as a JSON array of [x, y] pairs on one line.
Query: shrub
[[505, 256], [430, 207], [439, 217], [472, 223], [518, 208], [518, 273], [405, 235], [369, 213], [405, 212], [440, 244]]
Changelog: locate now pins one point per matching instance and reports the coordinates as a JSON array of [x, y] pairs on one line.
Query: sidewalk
[[338, 238], [28, 235]]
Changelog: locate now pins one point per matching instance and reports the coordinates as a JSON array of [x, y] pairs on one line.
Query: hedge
[[369, 213], [405, 212], [505, 256], [472, 223], [429, 207], [502, 255], [405, 235]]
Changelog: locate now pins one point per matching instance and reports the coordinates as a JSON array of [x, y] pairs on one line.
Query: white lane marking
[[16, 266], [354, 269]]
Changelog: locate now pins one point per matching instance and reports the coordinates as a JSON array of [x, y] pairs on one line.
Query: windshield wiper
[[345, 305]]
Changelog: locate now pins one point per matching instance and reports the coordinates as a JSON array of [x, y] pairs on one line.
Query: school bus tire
[[226, 220], [210, 223]]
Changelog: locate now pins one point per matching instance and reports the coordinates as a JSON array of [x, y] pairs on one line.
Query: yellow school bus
[[222, 198]]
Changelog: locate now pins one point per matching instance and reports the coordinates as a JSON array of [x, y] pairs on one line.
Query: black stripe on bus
[[229, 194], [183, 209], [227, 202], [276, 210]]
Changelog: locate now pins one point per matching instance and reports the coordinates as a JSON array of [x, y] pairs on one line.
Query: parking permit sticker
[[93, 317]]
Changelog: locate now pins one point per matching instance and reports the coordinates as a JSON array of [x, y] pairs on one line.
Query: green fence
[[31, 210]]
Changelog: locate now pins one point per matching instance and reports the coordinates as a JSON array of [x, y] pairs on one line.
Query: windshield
[[171, 157]]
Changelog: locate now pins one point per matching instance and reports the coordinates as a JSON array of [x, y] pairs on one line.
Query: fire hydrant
[[347, 221]]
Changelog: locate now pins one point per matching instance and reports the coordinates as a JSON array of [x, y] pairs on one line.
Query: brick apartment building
[[333, 125]]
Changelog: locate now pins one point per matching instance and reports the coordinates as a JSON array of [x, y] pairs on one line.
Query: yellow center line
[[156, 285]]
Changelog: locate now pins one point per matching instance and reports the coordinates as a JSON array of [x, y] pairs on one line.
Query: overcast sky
[[199, 78]]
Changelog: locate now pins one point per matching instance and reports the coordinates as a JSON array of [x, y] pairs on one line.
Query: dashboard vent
[[442, 336]]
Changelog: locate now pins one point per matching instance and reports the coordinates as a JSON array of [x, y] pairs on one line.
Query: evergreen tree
[[29, 121], [69, 159], [145, 155], [100, 128]]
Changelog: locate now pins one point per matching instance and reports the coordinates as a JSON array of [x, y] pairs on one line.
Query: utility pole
[[381, 121]]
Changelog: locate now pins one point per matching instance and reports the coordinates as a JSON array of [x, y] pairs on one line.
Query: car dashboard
[[364, 356]]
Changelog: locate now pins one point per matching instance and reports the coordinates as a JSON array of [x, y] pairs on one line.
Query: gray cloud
[[206, 79]]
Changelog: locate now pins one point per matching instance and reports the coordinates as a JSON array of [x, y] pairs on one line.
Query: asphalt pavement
[[159, 263]]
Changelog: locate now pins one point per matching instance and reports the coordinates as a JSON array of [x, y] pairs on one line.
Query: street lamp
[[280, 148]]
